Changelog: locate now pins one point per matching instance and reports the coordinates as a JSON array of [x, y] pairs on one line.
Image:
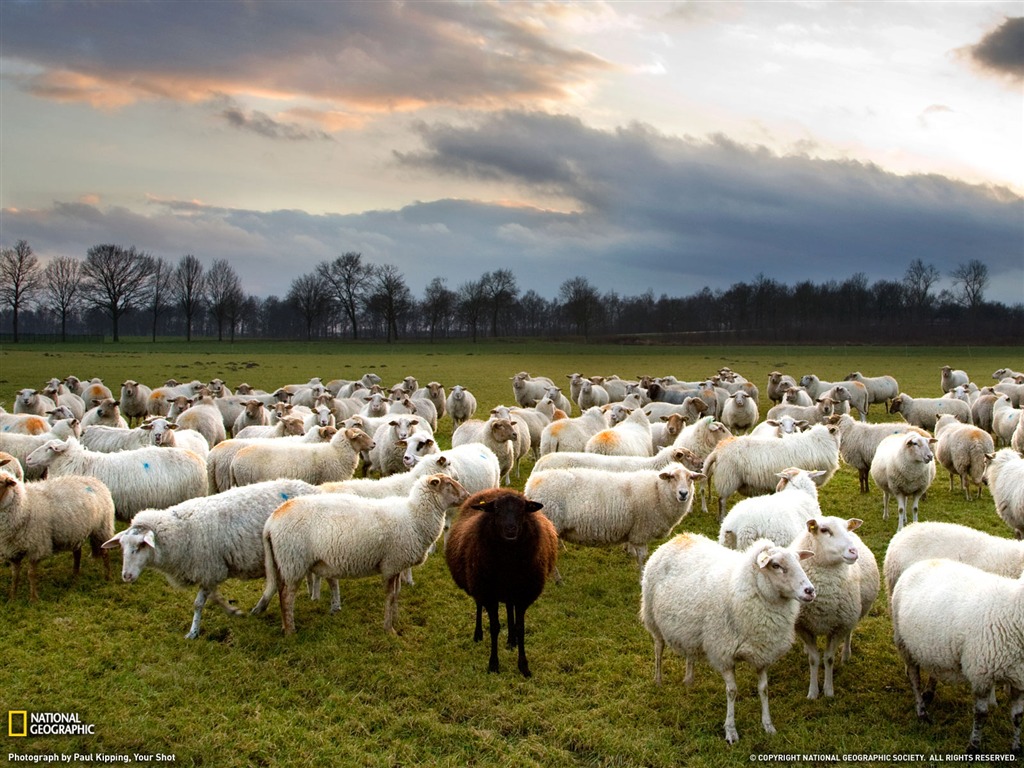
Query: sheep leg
[[688, 677], [762, 692], [478, 631], [659, 649], [407, 576], [847, 647], [76, 568], [1016, 715], [197, 613], [914, 675], [901, 505], [524, 666], [813, 660], [863, 477], [313, 585], [885, 505], [492, 616], [834, 642], [980, 716], [286, 592], [335, 595], [105, 554], [15, 576], [510, 618], [218, 598], [33, 580], [391, 588], [917, 500], [731, 734]]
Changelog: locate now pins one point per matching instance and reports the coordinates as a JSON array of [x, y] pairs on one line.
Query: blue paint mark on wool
[[145, 465], [284, 496]]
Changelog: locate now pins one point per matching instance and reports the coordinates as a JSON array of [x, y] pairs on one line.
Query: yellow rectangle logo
[[12, 719]]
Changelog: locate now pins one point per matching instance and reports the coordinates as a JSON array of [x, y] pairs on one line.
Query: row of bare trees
[[349, 297]]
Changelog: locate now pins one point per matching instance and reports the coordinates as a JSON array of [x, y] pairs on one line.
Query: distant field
[[343, 693]]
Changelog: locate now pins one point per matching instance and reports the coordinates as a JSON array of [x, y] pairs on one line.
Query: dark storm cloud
[[377, 55], [1002, 50]]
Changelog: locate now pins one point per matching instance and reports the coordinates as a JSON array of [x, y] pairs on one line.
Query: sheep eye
[[827, 530], [776, 566]]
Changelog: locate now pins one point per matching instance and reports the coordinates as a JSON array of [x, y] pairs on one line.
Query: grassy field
[[341, 692]]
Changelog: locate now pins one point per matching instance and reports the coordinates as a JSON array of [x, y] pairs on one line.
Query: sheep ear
[[803, 554], [854, 523], [150, 539], [763, 558], [816, 473], [483, 505], [442, 461], [146, 426], [812, 525], [534, 506], [114, 542], [435, 481]]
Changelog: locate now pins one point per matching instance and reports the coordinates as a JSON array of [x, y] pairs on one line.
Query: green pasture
[[343, 693]]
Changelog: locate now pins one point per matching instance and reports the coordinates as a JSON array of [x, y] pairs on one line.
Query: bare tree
[[61, 289], [969, 283], [223, 293], [349, 280], [159, 289], [438, 305], [116, 280], [502, 291], [918, 281], [582, 303], [311, 299], [187, 289], [21, 278], [390, 297]]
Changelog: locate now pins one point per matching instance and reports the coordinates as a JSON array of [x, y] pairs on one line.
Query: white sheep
[[33, 403], [845, 577], [23, 423], [847, 395], [287, 426], [253, 414], [572, 434], [664, 457], [665, 431], [750, 465], [134, 400], [419, 406], [961, 622], [1005, 419], [434, 392], [962, 450], [592, 394], [56, 391], [903, 467], [527, 389], [859, 441], [533, 419], [386, 456], [523, 443], [1017, 438], [461, 405], [105, 412], [701, 598], [630, 437], [923, 541], [780, 427], [166, 434], [205, 541], [20, 446], [161, 398], [202, 415], [817, 413], [780, 516], [497, 434], [952, 378], [48, 516], [778, 383], [139, 479], [924, 411], [219, 458], [597, 508], [691, 409], [11, 466], [881, 389], [1004, 477], [739, 413], [337, 536], [415, 447], [314, 463]]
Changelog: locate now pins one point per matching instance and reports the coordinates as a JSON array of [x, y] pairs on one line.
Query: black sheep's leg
[[520, 631], [478, 633], [492, 615], [510, 615]]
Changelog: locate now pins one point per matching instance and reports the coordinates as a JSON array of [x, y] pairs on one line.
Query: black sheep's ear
[[534, 506], [482, 505]]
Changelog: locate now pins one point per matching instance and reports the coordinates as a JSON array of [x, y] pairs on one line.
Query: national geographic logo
[[22, 723]]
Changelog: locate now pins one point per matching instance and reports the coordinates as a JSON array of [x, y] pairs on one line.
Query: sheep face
[[160, 431], [919, 448], [832, 539], [681, 480], [416, 447], [45, 454], [507, 512], [138, 548], [782, 573]]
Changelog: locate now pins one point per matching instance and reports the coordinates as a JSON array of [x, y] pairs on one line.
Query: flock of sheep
[[262, 485]]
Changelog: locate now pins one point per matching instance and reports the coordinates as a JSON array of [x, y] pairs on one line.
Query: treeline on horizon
[[124, 291]]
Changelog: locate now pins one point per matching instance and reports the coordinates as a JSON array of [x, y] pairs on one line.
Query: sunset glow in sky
[[662, 145]]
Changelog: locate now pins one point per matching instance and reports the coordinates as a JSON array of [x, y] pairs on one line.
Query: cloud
[[264, 125], [383, 55], [643, 210], [1001, 51]]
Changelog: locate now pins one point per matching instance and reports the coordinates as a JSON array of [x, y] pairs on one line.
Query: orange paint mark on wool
[[283, 509], [683, 541], [607, 437]]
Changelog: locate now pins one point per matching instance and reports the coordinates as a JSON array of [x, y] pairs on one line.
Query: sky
[[662, 146]]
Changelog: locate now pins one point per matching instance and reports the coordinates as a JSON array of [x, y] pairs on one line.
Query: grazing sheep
[[952, 378], [965, 623], [924, 541], [140, 479], [739, 413], [48, 516], [461, 405], [881, 389], [497, 434], [315, 463], [631, 437], [596, 508], [845, 577], [337, 536], [20, 446], [924, 411], [134, 400], [750, 465], [903, 467], [701, 598], [1004, 477], [501, 549], [859, 441], [206, 541], [962, 450], [780, 516], [572, 434], [105, 412]]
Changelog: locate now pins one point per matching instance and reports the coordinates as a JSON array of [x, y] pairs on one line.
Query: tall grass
[[341, 692]]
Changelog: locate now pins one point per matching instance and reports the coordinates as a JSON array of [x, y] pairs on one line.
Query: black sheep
[[500, 550]]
